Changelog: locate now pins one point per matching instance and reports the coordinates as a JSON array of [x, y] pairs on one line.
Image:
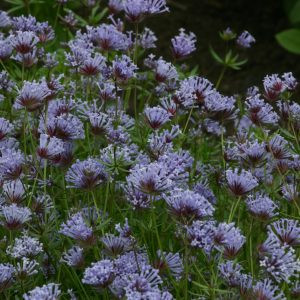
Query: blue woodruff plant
[[128, 175]]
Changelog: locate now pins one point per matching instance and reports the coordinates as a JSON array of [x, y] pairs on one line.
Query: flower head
[[45, 292], [13, 217], [7, 274], [183, 44], [100, 274], [245, 39], [187, 205], [240, 183], [32, 95], [156, 116], [150, 179], [77, 228], [260, 112], [261, 206], [86, 174]]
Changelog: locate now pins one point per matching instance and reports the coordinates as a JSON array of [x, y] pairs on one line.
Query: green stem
[[233, 209], [188, 120], [221, 76]]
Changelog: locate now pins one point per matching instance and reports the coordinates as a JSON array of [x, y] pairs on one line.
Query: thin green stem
[[233, 209], [221, 76], [188, 120]]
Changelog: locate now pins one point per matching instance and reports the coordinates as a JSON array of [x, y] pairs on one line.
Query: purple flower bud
[[245, 39], [183, 44]]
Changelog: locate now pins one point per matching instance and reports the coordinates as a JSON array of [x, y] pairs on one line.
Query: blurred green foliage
[[290, 38]]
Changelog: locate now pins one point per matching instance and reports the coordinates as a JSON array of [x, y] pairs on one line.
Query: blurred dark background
[[262, 18]]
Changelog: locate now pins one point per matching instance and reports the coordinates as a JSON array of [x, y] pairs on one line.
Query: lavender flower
[[73, 257], [66, 127], [220, 107], [169, 262], [261, 206], [115, 6], [187, 205], [86, 174], [136, 198], [278, 147], [290, 192], [24, 41], [123, 69], [228, 239], [290, 81], [164, 71], [193, 89], [281, 264], [240, 184], [287, 231], [49, 147], [26, 268], [201, 235], [25, 246], [6, 276], [230, 272], [100, 274], [100, 123], [265, 290], [92, 65], [138, 285], [5, 20], [6, 83], [107, 91], [45, 292], [77, 228], [114, 245], [261, 113], [245, 39], [32, 95], [5, 48], [14, 191], [183, 44], [6, 128], [202, 189], [108, 37], [14, 217], [147, 39], [150, 179], [273, 86], [24, 23], [156, 116]]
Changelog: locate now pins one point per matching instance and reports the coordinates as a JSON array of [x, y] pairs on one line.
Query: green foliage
[[290, 39]]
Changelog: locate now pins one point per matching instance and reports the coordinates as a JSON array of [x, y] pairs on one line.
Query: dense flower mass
[[124, 175]]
